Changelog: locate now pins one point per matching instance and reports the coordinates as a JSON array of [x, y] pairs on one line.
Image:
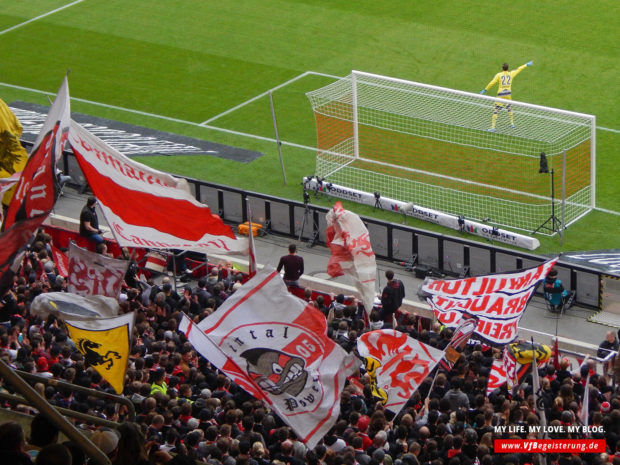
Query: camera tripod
[[308, 212], [556, 225]]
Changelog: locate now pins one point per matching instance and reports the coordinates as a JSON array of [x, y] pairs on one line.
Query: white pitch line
[[608, 129], [40, 16], [230, 110], [604, 210], [204, 125]]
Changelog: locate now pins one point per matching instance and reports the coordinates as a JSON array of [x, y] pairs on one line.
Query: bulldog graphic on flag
[[275, 346]]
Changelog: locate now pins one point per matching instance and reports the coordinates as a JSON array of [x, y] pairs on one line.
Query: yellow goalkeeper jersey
[[504, 80]]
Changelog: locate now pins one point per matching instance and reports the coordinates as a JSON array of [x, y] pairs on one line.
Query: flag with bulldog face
[[275, 346]]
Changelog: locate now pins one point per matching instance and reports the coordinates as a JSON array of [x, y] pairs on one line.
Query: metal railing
[[390, 241], [131, 409], [33, 397]]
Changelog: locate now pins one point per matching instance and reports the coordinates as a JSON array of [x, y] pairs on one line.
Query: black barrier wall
[[390, 241]]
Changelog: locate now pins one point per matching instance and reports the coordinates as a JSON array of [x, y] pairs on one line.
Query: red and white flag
[[401, 363], [275, 346], [497, 300], [497, 376], [148, 208], [251, 250], [510, 368], [349, 243], [94, 274], [37, 188], [61, 260]]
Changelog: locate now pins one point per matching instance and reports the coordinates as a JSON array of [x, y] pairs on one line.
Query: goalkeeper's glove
[[483, 91], [529, 63]]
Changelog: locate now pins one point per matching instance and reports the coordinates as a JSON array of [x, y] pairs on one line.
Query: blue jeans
[[96, 238]]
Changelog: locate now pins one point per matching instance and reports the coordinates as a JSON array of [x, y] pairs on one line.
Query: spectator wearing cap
[[43, 367], [106, 441]]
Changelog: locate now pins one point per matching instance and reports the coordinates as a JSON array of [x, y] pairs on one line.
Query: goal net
[[432, 146]]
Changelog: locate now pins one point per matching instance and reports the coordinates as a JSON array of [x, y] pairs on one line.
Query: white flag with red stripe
[[351, 252], [275, 346], [148, 208]]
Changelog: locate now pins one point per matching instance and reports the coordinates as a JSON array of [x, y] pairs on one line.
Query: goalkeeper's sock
[[512, 119], [494, 121]]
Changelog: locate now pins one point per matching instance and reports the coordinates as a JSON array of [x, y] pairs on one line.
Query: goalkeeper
[[504, 91]]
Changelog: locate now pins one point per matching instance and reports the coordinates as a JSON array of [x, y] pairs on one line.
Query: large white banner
[[351, 252], [497, 301], [148, 208], [94, 274], [422, 213], [275, 345]]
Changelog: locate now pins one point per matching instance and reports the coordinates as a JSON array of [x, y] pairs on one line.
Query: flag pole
[[535, 387]]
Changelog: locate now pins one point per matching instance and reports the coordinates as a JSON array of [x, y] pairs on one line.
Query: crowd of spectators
[[188, 411]]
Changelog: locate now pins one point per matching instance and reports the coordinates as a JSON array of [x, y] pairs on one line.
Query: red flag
[[275, 346], [94, 274], [398, 364], [556, 354], [251, 250], [162, 213], [351, 252], [36, 190], [61, 260]]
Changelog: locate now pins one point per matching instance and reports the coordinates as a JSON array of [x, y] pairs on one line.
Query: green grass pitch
[[178, 63]]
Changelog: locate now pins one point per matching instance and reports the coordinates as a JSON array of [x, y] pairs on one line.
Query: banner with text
[[162, 213], [427, 214], [497, 301]]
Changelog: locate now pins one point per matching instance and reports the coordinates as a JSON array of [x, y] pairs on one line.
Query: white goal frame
[[349, 152]]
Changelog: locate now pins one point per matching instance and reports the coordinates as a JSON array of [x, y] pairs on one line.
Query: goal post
[[432, 146]]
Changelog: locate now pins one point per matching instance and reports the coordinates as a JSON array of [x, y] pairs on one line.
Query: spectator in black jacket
[[391, 299]]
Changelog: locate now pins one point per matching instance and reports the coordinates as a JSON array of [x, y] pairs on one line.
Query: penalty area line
[[230, 110], [12, 28]]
